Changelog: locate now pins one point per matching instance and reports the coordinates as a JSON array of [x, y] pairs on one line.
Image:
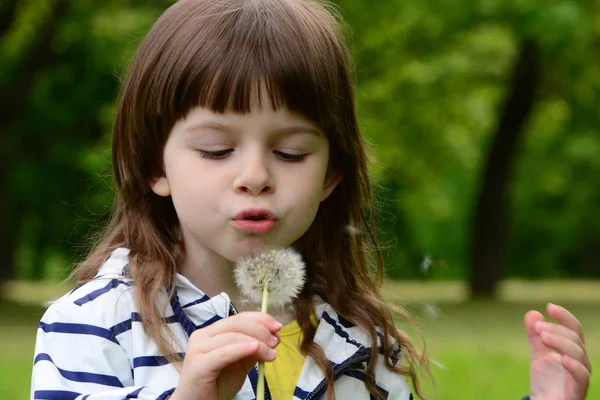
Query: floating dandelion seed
[[426, 263], [437, 363], [352, 230], [431, 311], [274, 277]]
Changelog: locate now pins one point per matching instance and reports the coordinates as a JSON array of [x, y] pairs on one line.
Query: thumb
[[536, 346]]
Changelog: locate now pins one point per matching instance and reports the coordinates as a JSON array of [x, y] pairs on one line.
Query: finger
[[565, 318], [565, 347], [215, 361], [580, 374], [559, 330], [259, 317], [251, 324], [537, 348], [206, 346], [248, 363]]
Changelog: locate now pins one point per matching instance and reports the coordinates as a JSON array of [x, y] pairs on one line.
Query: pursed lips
[[255, 214], [255, 220]]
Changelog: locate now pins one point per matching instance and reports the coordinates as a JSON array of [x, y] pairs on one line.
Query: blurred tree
[[435, 92], [58, 68], [15, 88], [435, 84], [490, 225]]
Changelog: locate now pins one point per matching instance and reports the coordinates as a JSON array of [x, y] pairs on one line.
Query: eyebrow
[[218, 126]]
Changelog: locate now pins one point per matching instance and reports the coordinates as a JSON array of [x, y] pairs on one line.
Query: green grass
[[483, 350], [479, 348], [17, 338]]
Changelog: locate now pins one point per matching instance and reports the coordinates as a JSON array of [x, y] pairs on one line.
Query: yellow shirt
[[282, 374]]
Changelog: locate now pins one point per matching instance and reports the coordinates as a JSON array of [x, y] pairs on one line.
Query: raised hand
[[219, 357], [560, 367]]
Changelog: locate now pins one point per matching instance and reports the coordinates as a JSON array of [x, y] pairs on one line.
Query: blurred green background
[[483, 116]]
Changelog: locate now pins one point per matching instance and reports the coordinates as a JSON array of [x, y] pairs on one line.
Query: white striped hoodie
[[91, 345]]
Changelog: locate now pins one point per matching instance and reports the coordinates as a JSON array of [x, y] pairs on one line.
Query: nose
[[254, 177]]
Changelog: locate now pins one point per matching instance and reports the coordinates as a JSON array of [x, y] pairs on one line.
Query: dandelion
[[274, 277]]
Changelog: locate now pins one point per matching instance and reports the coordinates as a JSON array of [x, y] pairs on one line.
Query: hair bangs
[[256, 54]]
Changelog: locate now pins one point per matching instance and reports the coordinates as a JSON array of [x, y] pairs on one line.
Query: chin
[[246, 250], [251, 247]]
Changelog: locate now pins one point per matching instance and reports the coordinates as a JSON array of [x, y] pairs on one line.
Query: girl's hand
[[560, 367], [219, 357]]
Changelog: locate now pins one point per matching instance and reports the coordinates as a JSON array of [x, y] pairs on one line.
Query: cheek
[[193, 193], [308, 199]]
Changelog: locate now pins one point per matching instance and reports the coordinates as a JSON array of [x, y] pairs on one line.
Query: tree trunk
[[489, 232], [8, 9], [14, 95], [6, 234]]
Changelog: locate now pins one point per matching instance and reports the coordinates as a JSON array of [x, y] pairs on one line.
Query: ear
[[160, 186], [333, 178]]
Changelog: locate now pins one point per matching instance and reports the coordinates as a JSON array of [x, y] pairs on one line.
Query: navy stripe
[[78, 329], [166, 394], [113, 283], [345, 323], [394, 353], [301, 394], [121, 327], [337, 371], [253, 377], [339, 330], [152, 361], [136, 317], [209, 322], [199, 301], [134, 395], [395, 356], [55, 395], [85, 377], [125, 326], [267, 391], [178, 313], [360, 375]]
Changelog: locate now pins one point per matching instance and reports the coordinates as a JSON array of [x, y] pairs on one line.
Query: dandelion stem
[[260, 387], [265, 300]]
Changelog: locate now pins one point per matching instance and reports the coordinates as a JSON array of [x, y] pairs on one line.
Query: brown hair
[[216, 54]]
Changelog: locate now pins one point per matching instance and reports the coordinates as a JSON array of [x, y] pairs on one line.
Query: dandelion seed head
[[282, 271]]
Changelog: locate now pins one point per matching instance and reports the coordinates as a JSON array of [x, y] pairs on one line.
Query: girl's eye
[[290, 157], [215, 155]]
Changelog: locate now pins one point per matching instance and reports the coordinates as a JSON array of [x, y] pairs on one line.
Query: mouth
[[254, 221], [255, 215]]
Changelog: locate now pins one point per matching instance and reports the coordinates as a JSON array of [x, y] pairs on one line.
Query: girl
[[235, 132]]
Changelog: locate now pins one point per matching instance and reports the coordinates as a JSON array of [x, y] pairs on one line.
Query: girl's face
[[244, 182]]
